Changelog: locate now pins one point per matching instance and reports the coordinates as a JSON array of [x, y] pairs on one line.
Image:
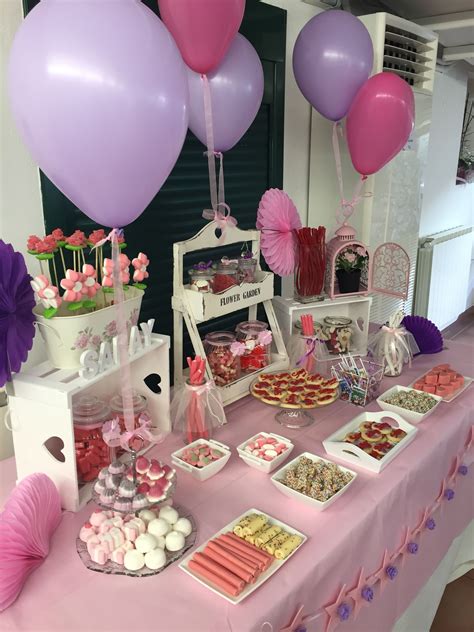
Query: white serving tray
[[354, 455], [467, 382], [273, 568], [311, 502], [409, 415], [261, 464]]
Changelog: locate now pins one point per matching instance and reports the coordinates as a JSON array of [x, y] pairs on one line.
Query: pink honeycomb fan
[[278, 219], [31, 516]]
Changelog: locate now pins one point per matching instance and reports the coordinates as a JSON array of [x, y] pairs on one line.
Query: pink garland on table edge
[[349, 602]]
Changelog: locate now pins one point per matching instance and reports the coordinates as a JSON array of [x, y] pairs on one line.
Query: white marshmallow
[[147, 515], [169, 514], [158, 527], [134, 560], [145, 542], [155, 559], [184, 526], [175, 541]]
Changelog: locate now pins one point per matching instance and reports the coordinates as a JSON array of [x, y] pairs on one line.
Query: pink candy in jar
[[224, 364], [247, 268]]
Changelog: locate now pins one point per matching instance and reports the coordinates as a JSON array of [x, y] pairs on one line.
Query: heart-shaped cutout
[[55, 446], [390, 421], [153, 382]]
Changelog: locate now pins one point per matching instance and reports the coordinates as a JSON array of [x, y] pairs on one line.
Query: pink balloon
[[98, 91], [379, 122], [203, 29]]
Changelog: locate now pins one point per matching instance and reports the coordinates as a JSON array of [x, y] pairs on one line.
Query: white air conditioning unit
[[392, 212]]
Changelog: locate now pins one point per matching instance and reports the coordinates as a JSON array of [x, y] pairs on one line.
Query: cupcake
[[107, 497], [123, 504], [112, 481], [139, 502], [127, 489], [116, 468], [99, 486]]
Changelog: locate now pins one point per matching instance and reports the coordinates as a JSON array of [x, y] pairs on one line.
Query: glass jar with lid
[[225, 275], [92, 453], [140, 406], [247, 268], [201, 275], [338, 332], [256, 339], [223, 359]]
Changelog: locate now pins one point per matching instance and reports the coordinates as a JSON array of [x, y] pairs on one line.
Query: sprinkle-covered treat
[[317, 479]]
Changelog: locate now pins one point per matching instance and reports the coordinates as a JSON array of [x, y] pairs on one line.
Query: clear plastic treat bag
[[196, 411], [394, 345], [309, 352]]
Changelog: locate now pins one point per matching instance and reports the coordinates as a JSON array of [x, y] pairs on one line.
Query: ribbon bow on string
[[347, 206], [222, 219], [114, 437], [117, 232]]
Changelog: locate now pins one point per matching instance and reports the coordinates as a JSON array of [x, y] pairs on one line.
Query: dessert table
[[354, 538]]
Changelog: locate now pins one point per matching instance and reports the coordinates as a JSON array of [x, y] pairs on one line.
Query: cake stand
[[112, 568]]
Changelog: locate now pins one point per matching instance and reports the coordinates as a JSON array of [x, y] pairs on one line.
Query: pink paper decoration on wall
[[278, 219], [31, 516]]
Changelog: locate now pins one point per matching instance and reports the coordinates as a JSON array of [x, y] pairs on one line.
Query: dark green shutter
[[253, 166]]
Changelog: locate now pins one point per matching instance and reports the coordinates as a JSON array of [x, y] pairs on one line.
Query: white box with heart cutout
[[351, 453], [41, 399]]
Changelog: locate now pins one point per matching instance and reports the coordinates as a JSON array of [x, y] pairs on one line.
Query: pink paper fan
[[278, 218], [31, 516]]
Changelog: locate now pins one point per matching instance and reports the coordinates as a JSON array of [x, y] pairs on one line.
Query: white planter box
[[357, 308], [349, 452], [204, 306], [410, 415], [41, 400]]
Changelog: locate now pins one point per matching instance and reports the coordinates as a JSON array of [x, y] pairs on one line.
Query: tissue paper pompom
[[31, 515]]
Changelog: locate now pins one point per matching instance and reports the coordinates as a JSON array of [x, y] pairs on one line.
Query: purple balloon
[[332, 59], [236, 87], [98, 91]]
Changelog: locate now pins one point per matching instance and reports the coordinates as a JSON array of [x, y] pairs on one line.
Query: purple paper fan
[[16, 312], [428, 337]]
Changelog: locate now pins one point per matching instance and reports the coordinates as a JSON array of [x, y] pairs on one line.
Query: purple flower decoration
[[462, 469], [449, 494], [344, 611], [17, 301], [412, 547], [430, 524], [367, 593], [301, 628], [392, 572]]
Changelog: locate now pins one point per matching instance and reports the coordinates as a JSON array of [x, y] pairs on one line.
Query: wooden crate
[[41, 400]]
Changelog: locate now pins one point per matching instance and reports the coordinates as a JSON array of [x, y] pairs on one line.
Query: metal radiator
[[442, 275]]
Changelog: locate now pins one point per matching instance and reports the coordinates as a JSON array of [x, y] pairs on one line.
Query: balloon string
[[122, 337], [211, 157], [336, 130]]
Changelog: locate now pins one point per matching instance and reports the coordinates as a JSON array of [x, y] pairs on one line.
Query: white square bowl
[[202, 473], [311, 502], [351, 453], [261, 464], [409, 415]]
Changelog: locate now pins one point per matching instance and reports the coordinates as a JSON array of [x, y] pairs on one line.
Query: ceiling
[[452, 20]]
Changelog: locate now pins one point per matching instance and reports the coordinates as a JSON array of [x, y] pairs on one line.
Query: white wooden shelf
[[193, 307]]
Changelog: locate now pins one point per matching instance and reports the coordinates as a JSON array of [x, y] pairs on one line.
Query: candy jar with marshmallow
[[223, 357]]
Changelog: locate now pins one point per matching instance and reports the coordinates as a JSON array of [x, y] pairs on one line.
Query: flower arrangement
[[84, 285], [352, 259]]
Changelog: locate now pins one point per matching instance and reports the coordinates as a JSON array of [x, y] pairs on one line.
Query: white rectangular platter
[[273, 568], [467, 382], [355, 455]]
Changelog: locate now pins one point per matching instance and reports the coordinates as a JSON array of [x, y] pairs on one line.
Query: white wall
[[446, 204], [20, 197]]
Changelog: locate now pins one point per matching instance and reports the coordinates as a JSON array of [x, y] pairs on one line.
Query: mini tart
[[298, 373], [268, 377], [278, 392], [383, 447], [281, 383], [364, 445], [270, 399], [396, 435], [282, 376], [331, 383], [309, 402], [296, 389], [300, 381], [375, 454], [324, 400], [311, 394], [326, 391], [365, 425], [315, 379], [353, 437], [290, 401], [382, 427], [372, 436], [264, 383]]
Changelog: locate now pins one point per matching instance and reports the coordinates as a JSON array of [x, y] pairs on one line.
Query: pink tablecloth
[[353, 533]]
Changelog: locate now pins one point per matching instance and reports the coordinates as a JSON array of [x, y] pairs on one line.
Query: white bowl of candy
[[314, 481], [413, 405], [202, 458], [265, 451]]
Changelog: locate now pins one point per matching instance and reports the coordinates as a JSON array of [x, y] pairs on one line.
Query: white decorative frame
[[197, 307]]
